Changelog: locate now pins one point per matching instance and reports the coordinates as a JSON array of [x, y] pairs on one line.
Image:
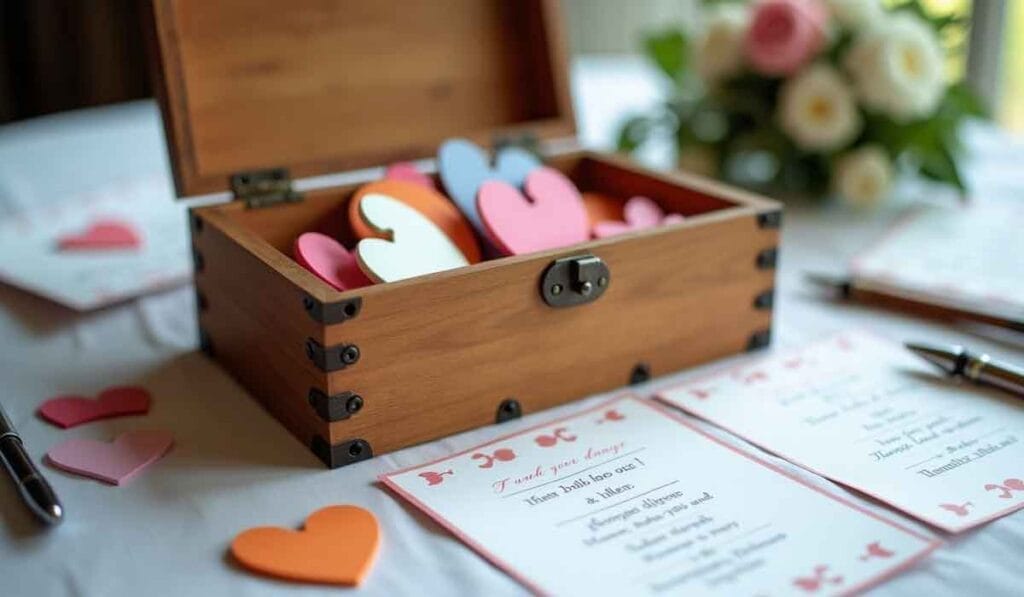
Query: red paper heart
[[100, 235], [69, 411]]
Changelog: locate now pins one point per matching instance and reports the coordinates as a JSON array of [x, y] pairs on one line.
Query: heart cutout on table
[[432, 204], [338, 545], [640, 213], [413, 245], [69, 411], [329, 260], [101, 235], [407, 172], [114, 462], [464, 168], [551, 215]]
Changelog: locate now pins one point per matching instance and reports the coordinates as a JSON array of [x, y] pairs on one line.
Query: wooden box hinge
[[264, 188]]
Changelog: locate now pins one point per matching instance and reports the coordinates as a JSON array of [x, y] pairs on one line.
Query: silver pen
[[976, 367], [34, 489]]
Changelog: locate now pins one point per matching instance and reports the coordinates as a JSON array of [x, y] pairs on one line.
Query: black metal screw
[[350, 355], [310, 351], [354, 404], [508, 409], [641, 373], [355, 449], [351, 309], [308, 303]]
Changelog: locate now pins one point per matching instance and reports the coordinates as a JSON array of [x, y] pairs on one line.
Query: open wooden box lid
[[324, 86]]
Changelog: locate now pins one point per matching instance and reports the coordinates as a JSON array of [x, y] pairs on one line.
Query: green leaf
[[961, 98], [939, 165], [634, 132], [670, 52]]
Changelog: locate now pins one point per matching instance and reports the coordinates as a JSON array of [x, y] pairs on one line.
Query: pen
[[977, 367], [846, 289], [34, 489]]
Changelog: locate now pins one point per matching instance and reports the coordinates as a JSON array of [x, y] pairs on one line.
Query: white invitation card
[[968, 257], [869, 414], [627, 498]]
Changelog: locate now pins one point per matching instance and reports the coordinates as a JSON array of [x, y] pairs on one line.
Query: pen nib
[[946, 359]]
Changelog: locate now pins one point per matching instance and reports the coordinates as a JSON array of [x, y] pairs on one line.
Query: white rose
[[897, 68], [720, 46], [863, 176], [817, 109], [855, 14]]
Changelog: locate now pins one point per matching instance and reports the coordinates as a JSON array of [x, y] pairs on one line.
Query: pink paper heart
[[100, 235], [69, 411], [330, 261], [116, 462], [409, 173], [552, 214], [640, 213]]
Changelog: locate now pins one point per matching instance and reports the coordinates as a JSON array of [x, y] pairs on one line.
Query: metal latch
[[574, 281], [262, 188]]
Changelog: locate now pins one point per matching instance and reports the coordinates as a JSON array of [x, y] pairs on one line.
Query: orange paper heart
[[338, 546]]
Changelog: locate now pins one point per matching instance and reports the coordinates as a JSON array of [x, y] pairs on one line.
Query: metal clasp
[[572, 281]]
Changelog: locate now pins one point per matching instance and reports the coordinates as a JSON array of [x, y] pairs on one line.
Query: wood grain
[[323, 86], [440, 352]]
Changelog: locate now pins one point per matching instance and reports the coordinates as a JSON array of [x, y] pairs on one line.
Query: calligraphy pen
[[845, 289], [979, 368], [35, 491]]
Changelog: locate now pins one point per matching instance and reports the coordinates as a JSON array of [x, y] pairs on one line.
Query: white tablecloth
[[234, 467]]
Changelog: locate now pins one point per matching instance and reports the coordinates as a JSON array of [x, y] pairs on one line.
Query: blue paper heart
[[464, 167]]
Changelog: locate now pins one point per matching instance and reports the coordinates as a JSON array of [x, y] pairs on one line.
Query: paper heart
[[601, 207], [69, 411], [338, 546], [552, 216], [417, 246], [329, 261], [464, 168], [116, 462], [101, 234], [640, 213], [406, 172], [432, 204]]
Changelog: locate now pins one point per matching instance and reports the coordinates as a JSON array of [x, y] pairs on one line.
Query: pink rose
[[785, 35]]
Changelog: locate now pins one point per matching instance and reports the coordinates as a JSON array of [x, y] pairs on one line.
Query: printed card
[[867, 413], [967, 258], [627, 498], [87, 279]]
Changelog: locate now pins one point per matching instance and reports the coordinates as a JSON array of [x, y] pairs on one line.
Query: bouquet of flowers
[[810, 97]]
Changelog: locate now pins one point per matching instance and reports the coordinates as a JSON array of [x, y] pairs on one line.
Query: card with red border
[[865, 412], [627, 498]]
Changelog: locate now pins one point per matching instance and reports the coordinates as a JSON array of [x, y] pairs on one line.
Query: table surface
[[234, 467]]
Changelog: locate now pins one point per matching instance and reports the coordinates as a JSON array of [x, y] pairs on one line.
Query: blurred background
[[57, 55]]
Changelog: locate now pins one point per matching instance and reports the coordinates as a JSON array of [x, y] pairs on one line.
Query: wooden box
[[324, 86]]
